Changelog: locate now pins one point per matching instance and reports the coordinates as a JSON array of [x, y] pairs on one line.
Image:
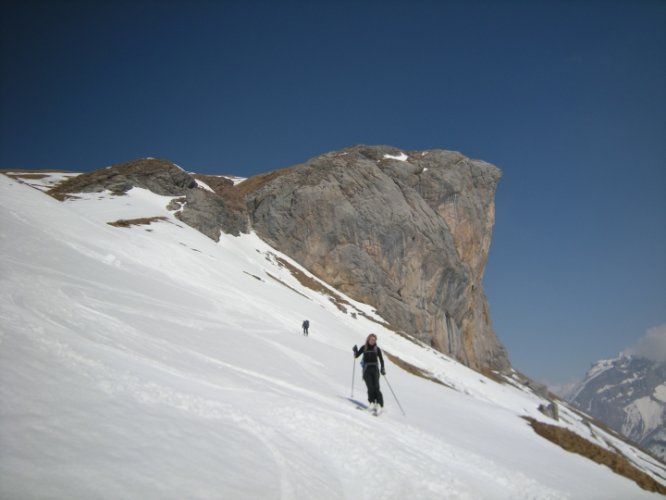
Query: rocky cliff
[[408, 232]]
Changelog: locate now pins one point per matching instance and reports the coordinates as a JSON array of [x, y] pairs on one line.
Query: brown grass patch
[[253, 183], [145, 221], [315, 285], [374, 320], [574, 443], [215, 182], [234, 195], [35, 170], [492, 375], [63, 196], [20, 176], [290, 287], [406, 336], [591, 421], [28, 176], [223, 187], [414, 370], [141, 167]]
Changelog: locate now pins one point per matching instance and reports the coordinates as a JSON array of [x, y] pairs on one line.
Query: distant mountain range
[[629, 394]]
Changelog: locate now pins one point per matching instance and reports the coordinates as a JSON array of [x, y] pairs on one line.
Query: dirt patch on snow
[[145, 221], [27, 176], [574, 443], [414, 370]]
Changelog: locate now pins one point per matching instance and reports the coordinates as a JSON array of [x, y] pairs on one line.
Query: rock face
[[406, 232], [629, 394], [211, 213]]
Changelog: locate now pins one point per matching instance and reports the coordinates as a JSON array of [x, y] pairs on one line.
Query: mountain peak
[[629, 394]]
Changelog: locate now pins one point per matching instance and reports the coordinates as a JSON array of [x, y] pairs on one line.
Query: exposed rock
[[550, 410], [407, 233], [211, 214], [176, 204], [159, 176]]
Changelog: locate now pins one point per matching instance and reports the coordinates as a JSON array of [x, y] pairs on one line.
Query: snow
[[152, 362], [47, 182], [234, 179], [599, 367], [605, 388], [201, 184], [400, 157], [644, 414], [660, 393]]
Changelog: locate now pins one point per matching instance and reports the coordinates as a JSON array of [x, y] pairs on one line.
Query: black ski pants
[[371, 379]]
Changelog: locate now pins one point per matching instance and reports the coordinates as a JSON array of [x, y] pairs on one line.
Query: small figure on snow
[[306, 325], [372, 358]]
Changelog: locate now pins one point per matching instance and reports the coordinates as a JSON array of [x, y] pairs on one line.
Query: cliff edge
[[405, 231]]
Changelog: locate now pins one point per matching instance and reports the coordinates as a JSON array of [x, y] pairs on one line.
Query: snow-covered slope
[[629, 394], [152, 362]]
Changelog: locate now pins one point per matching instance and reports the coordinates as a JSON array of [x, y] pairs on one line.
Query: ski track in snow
[[132, 367]]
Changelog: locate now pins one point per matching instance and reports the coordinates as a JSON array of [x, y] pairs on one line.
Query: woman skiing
[[372, 357]]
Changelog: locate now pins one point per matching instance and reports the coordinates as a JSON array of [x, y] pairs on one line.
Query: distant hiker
[[306, 325], [372, 357]]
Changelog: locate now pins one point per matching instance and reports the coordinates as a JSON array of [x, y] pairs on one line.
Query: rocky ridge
[[408, 232]]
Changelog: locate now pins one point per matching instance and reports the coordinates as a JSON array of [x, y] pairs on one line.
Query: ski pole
[[396, 398], [353, 375]]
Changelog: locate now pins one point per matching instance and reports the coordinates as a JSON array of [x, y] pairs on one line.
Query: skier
[[372, 354], [306, 325]]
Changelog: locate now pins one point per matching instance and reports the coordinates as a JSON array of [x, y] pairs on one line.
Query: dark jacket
[[370, 356]]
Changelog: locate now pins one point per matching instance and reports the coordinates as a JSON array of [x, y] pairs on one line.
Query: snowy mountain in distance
[[141, 359], [629, 394]]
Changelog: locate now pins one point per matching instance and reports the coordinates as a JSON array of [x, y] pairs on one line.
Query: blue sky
[[567, 98]]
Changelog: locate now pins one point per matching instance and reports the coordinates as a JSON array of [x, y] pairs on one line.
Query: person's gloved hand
[[355, 349], [383, 371]]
